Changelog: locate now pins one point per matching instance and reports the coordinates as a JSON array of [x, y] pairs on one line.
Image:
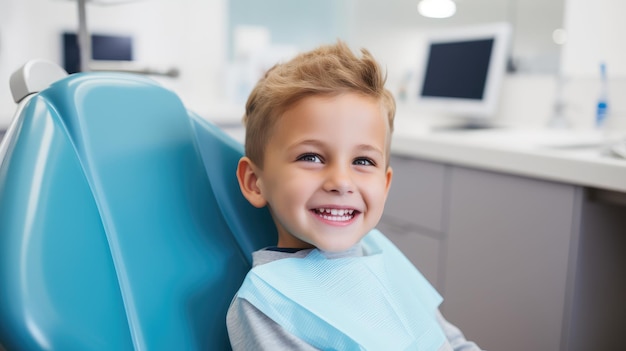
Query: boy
[[318, 134]]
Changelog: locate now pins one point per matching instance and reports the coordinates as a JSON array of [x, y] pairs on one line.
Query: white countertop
[[575, 157]]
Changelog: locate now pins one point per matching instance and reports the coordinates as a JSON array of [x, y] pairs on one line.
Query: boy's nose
[[339, 180]]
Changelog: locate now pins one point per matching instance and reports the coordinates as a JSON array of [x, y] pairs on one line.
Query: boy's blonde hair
[[328, 70]]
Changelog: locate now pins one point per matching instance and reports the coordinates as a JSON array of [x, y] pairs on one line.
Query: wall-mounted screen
[[103, 47]]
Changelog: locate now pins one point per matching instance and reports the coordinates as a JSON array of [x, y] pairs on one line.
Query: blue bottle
[[602, 108]]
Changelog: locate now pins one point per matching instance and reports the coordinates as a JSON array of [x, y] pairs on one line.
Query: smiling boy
[[324, 175], [318, 134]]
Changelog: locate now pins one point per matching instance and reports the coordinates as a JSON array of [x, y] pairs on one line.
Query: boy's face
[[325, 175]]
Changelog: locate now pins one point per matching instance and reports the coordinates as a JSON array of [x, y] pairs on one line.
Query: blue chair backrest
[[121, 222]]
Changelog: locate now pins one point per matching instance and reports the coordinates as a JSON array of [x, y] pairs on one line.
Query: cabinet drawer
[[417, 193]]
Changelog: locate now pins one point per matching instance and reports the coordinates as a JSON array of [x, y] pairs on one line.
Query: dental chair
[[122, 226]]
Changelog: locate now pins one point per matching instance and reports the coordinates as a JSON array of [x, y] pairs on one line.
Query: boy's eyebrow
[[369, 147], [306, 142], [313, 142], [318, 143]]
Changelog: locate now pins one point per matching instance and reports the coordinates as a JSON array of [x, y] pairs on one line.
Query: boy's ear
[[388, 177], [247, 177]]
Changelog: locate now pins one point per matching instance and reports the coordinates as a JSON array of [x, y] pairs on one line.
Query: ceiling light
[[559, 36], [436, 8]]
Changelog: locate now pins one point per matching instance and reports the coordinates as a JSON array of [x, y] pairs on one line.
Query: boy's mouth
[[335, 214]]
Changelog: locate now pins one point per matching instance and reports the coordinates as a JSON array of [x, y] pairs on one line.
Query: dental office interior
[[521, 227]]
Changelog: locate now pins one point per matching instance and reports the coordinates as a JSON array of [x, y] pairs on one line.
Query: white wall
[[187, 34], [191, 35], [595, 33]]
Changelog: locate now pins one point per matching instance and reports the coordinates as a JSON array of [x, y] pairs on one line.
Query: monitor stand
[[467, 124]]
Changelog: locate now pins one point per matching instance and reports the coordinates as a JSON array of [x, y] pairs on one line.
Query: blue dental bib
[[379, 301]]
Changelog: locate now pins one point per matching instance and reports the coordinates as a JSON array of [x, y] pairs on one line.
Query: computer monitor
[[462, 72], [103, 47]]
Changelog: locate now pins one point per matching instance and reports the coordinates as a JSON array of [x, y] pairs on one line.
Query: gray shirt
[[250, 329]]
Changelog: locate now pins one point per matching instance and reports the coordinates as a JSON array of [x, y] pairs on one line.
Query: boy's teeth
[[335, 212]]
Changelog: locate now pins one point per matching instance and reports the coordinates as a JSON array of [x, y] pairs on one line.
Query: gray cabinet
[[414, 214], [507, 258], [417, 194], [522, 263]]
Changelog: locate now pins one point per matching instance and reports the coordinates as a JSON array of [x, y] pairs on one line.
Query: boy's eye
[[310, 157], [362, 161]]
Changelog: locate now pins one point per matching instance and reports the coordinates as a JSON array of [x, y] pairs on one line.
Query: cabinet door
[[417, 193], [507, 259]]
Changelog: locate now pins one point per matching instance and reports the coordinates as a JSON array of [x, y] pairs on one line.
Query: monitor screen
[[462, 70], [458, 69], [103, 47]]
